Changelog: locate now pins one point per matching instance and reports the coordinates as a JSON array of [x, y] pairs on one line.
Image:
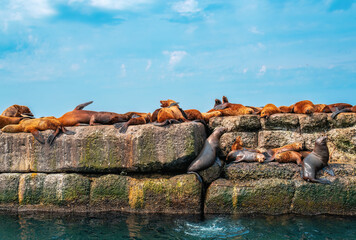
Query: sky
[[129, 55]]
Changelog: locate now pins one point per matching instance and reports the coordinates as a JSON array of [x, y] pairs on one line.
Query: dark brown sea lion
[[304, 107], [338, 106], [289, 157], [107, 118], [315, 161], [337, 112], [245, 156], [268, 110], [208, 154], [17, 111], [39, 124], [135, 119]]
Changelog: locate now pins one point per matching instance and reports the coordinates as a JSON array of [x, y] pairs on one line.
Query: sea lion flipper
[[83, 105], [337, 112], [329, 170], [38, 136], [124, 127], [118, 125]]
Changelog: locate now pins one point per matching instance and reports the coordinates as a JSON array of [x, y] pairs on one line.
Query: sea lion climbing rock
[[315, 161], [207, 156]]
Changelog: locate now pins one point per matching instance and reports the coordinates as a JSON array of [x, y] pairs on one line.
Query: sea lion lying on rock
[[304, 107], [39, 124], [268, 110], [315, 161], [288, 157], [17, 111], [237, 156]]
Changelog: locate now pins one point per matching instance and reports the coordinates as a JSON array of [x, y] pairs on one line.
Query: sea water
[[136, 226]]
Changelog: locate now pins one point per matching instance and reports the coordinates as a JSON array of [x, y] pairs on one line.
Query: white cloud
[[254, 30], [262, 70], [175, 57], [117, 4], [74, 66], [149, 64], [245, 70], [186, 7], [30, 8], [123, 70]]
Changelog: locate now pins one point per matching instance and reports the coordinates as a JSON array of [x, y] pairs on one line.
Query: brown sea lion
[[193, 114], [9, 120], [297, 146], [107, 118], [268, 110], [245, 156], [135, 119], [339, 106], [39, 124], [289, 157], [17, 111], [77, 116], [208, 154], [256, 110], [286, 109], [232, 109], [305, 153], [238, 145], [322, 108], [315, 161], [170, 113], [304, 107], [208, 115], [337, 112]]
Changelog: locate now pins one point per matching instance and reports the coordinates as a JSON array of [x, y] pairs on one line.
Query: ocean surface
[[133, 226]]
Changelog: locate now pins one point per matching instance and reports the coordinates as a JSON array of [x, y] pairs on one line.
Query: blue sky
[[128, 55]]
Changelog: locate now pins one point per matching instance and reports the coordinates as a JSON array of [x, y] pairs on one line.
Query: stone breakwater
[[144, 170]]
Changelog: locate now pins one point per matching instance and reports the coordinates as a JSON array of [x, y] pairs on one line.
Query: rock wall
[[144, 170]]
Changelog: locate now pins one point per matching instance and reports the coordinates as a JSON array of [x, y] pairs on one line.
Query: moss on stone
[[110, 188], [9, 183]]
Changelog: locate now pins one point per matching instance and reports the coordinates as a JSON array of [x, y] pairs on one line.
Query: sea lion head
[[219, 131], [309, 109], [260, 158], [321, 140], [167, 103], [298, 146]]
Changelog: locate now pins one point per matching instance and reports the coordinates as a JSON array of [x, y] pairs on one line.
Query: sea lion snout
[[322, 140]]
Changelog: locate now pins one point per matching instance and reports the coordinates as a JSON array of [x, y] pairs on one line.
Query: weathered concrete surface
[[282, 129], [144, 148], [266, 196], [276, 188], [73, 192]]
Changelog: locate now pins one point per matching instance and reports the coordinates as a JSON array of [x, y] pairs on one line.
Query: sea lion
[[193, 114], [256, 110], [304, 107], [339, 106], [289, 157], [107, 118], [322, 108], [207, 155], [9, 120], [245, 156], [135, 119], [297, 146], [39, 124], [232, 109], [315, 161], [17, 111], [238, 145], [208, 115], [268, 110], [337, 112], [77, 116], [170, 113], [286, 109]]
